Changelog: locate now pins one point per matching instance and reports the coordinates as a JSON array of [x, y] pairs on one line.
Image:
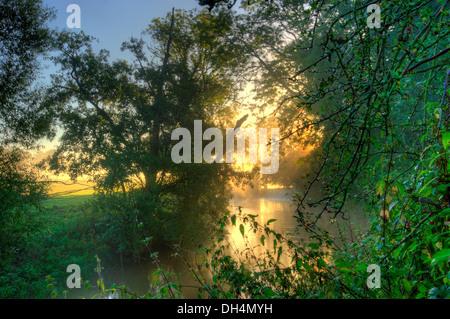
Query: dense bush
[[125, 220]]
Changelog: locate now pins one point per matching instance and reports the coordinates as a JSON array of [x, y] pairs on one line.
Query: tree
[[20, 217], [118, 116], [24, 38], [333, 54], [212, 3], [273, 40], [379, 99]]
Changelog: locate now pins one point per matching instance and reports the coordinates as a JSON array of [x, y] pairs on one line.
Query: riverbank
[[274, 205]]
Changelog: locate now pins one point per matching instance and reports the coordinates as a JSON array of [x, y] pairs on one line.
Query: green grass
[[62, 234], [66, 202], [59, 209]]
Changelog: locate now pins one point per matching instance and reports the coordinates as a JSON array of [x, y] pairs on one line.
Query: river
[[275, 204]]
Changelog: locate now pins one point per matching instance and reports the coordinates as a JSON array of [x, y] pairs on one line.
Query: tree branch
[[428, 60]]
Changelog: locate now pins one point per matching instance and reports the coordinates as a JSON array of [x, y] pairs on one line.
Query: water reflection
[[275, 204]]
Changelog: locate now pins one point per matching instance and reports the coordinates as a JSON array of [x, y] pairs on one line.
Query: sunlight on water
[[275, 204]]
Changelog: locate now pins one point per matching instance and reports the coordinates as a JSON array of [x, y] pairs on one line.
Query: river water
[[274, 204]]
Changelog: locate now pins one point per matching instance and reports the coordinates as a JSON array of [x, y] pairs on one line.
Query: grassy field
[[66, 202], [58, 210]]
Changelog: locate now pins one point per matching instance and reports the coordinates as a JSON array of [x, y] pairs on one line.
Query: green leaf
[[362, 267], [439, 293], [443, 254], [446, 139], [426, 191], [381, 185], [423, 289], [262, 239], [307, 267], [241, 229], [407, 284], [321, 262], [233, 220], [347, 270], [271, 221], [269, 293], [280, 251]]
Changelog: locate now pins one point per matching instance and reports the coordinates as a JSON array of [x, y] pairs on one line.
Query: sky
[[114, 21]]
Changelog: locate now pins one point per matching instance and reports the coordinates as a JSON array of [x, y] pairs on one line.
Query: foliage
[[277, 267], [372, 102], [118, 116], [19, 196], [24, 38], [384, 135], [61, 237], [281, 267]]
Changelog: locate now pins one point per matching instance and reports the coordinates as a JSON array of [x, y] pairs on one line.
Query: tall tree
[[24, 38], [337, 58], [118, 116]]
